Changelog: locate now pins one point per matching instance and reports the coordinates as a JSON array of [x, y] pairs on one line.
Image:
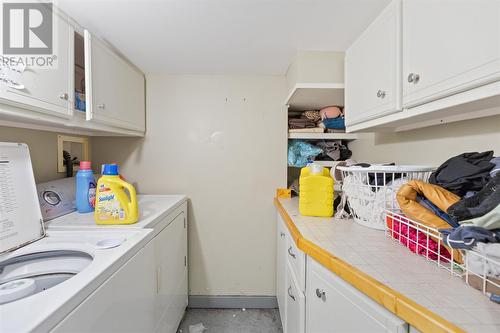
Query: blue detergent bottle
[[85, 188]]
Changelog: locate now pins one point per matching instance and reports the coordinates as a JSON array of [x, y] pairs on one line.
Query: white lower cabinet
[[332, 305], [281, 269], [172, 274], [295, 304], [148, 293]]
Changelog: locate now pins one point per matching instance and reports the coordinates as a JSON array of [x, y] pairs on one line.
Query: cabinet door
[[372, 69], [452, 45], [171, 269], [124, 303], [281, 269], [295, 304], [43, 89], [114, 88], [335, 306]]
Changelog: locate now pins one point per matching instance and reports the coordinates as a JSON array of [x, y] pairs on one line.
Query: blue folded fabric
[[433, 208], [334, 123], [466, 237]]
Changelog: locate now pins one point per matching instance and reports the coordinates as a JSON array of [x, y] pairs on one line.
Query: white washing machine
[[47, 274]]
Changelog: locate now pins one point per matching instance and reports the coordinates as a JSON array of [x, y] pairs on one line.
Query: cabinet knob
[[413, 78], [282, 234], [290, 293], [101, 106], [381, 94], [64, 96], [291, 253], [320, 293]]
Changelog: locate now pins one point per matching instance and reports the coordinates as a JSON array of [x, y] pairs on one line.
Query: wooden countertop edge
[[406, 309]]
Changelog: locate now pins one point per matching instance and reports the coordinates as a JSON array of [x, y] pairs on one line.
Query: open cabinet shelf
[[323, 136], [314, 96]]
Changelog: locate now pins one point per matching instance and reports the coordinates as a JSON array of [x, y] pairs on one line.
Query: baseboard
[[232, 302]]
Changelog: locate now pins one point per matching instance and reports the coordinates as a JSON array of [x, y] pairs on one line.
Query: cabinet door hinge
[[184, 223], [185, 261]]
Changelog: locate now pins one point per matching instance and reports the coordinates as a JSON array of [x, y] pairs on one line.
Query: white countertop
[[395, 266], [152, 208], [42, 311]]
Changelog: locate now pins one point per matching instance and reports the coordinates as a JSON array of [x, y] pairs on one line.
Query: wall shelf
[[314, 96], [323, 136]]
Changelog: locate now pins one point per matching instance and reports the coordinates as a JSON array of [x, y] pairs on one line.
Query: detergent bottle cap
[[85, 165], [110, 170]]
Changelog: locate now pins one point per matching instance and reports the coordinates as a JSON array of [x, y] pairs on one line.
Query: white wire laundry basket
[[371, 190], [478, 270]]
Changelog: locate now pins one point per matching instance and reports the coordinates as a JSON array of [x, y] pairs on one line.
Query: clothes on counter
[[496, 168], [489, 221], [465, 172], [441, 198], [478, 205], [487, 263], [466, 237], [433, 208], [416, 241]]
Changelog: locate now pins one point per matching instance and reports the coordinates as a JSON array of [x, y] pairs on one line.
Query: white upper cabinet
[[42, 89], [372, 69], [449, 46], [115, 90]]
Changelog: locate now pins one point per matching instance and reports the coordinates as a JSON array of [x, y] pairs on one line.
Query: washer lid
[[20, 217]]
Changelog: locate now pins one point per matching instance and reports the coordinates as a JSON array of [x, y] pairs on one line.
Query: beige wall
[[228, 157], [431, 145], [43, 150]]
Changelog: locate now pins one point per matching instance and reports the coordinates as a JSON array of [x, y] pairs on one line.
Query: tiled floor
[[233, 320]]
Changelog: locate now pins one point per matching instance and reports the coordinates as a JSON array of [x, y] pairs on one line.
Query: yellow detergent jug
[[113, 205], [316, 191]]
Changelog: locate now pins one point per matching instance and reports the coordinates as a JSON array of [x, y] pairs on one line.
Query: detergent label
[[109, 207], [91, 194]]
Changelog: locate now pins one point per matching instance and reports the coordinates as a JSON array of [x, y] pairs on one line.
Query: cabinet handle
[[290, 293], [64, 96], [282, 234], [320, 293], [291, 253], [413, 78], [101, 106], [381, 94]]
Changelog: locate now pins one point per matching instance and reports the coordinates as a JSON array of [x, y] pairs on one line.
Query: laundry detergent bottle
[[85, 188], [316, 191], [116, 200]]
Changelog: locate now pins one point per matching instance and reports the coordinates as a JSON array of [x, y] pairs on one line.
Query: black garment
[[465, 172], [483, 202]]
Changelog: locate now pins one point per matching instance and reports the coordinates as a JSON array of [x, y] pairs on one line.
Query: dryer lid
[[20, 216]]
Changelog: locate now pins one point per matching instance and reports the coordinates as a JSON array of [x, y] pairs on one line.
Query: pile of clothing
[[462, 201], [300, 152], [330, 118]]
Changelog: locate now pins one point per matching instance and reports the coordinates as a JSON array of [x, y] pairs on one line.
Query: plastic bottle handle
[[132, 195]]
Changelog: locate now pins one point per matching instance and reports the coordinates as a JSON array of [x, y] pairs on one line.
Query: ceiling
[[255, 37]]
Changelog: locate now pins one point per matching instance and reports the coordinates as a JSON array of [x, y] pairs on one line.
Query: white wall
[[43, 150], [431, 145], [228, 157]]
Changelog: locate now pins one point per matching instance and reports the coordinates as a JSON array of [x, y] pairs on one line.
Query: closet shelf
[[314, 96], [323, 136]]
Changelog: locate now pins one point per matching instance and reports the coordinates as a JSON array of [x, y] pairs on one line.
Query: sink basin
[[28, 274]]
